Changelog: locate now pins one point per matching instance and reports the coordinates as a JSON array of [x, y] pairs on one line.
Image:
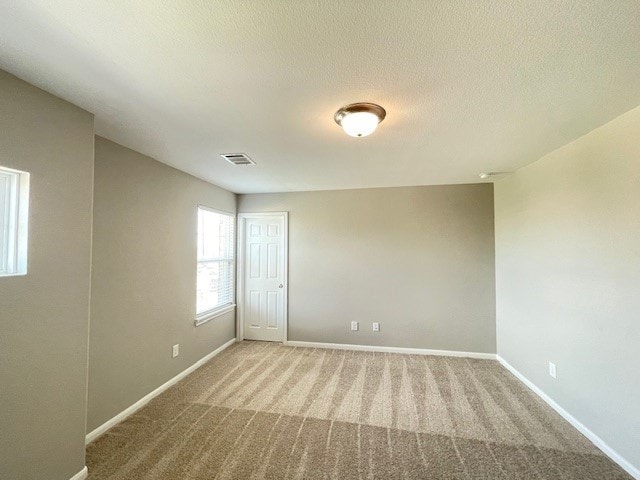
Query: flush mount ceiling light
[[360, 119]]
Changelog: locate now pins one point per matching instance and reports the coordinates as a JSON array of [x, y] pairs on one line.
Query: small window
[[14, 206], [216, 264]]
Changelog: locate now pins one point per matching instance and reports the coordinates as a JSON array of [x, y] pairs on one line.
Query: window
[[216, 264], [14, 206]]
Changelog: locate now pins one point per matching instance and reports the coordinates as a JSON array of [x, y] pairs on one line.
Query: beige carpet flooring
[[266, 411]]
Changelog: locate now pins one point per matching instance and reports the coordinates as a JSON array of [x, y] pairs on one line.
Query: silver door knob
[[280, 286]]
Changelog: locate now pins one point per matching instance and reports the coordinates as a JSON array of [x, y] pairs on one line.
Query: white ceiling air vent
[[238, 158]]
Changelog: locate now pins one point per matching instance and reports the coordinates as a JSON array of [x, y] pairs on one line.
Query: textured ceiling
[[469, 86]]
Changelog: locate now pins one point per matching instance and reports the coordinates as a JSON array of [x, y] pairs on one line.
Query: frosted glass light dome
[[360, 124], [360, 119]]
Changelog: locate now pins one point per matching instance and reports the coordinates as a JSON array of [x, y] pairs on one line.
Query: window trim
[[16, 229], [205, 317]]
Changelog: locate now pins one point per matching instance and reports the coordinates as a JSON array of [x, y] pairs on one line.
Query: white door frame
[[242, 217]]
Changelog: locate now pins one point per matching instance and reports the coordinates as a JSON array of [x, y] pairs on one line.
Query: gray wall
[[143, 278], [420, 260], [44, 315], [568, 278]]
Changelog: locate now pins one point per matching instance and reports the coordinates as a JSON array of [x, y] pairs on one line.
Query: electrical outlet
[[552, 369], [176, 350], [354, 326], [376, 327]]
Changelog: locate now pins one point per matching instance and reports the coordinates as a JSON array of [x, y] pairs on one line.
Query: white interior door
[[264, 276]]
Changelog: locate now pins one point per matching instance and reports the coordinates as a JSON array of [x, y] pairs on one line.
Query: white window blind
[[14, 204], [216, 262]]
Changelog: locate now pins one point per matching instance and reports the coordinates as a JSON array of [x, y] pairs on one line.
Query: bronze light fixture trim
[[360, 119]]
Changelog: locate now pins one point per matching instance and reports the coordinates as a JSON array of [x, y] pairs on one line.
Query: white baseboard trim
[[81, 475], [595, 439], [412, 351], [91, 436]]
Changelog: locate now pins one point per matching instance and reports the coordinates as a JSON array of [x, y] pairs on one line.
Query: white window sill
[[17, 274], [216, 313]]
